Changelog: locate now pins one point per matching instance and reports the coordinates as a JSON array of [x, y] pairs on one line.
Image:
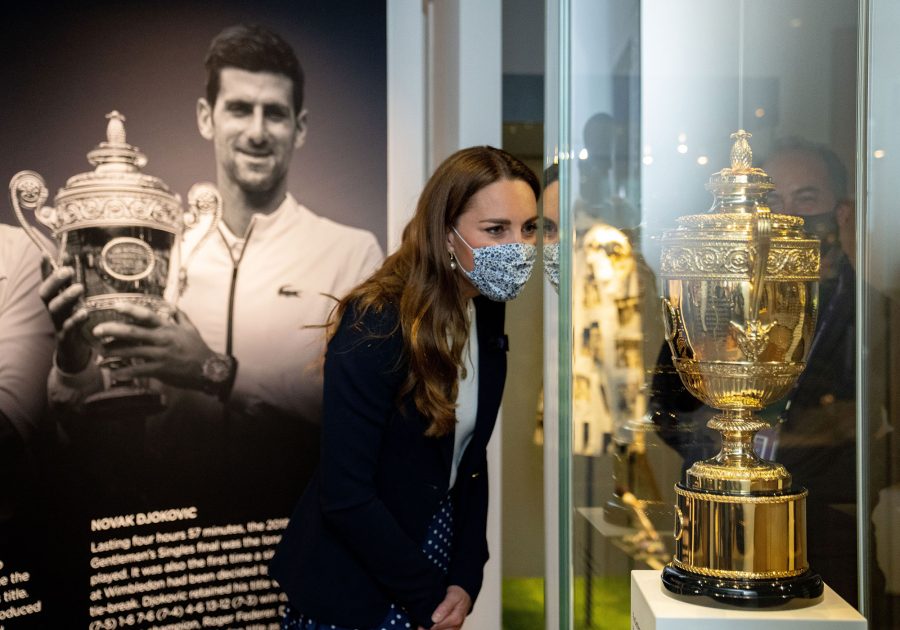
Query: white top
[[466, 397], [26, 333], [291, 265]]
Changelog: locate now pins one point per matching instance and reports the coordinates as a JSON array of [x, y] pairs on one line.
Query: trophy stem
[[740, 534], [737, 468], [738, 427]]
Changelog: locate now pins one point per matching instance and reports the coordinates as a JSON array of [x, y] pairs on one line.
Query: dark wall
[[65, 66]]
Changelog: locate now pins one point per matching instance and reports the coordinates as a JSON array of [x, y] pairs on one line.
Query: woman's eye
[[494, 230]]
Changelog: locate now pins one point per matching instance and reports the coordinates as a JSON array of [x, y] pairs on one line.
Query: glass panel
[[761, 66], [563, 385], [650, 93], [607, 334], [879, 354], [556, 584]]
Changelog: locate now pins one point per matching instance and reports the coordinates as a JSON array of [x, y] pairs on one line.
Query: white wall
[[444, 93], [407, 114]]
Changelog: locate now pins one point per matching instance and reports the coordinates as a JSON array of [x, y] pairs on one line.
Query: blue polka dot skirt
[[438, 545]]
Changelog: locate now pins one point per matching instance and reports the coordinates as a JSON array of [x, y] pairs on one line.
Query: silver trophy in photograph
[[122, 231]]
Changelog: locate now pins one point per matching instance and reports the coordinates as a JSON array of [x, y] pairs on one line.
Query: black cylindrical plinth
[[744, 593]]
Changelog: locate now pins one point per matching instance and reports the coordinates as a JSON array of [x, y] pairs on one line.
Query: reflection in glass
[[649, 89]]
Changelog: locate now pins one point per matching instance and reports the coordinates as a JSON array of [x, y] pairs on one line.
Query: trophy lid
[[733, 223], [741, 179], [116, 192], [739, 191], [116, 155]]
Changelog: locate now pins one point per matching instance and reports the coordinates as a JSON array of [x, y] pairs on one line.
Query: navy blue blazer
[[353, 544]]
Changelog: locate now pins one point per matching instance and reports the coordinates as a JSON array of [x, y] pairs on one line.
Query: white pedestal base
[[653, 609]]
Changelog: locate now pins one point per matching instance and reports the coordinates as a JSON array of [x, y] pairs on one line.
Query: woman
[[390, 532]]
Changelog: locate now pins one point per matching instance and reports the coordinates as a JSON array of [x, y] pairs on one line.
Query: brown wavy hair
[[418, 282]]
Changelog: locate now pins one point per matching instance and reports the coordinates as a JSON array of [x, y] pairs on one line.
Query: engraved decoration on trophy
[[122, 231], [740, 304]]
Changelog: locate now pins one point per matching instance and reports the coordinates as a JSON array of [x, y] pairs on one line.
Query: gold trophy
[[740, 305], [121, 230]]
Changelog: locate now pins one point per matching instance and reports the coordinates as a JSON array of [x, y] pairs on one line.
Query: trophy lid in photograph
[[116, 192]]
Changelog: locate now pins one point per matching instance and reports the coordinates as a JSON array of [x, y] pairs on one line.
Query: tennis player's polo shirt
[[285, 273]]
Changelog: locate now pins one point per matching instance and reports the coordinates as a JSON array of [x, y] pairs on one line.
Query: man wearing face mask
[[816, 431], [811, 182]]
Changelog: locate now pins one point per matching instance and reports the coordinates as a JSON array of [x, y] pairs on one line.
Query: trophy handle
[[28, 190], [676, 333], [203, 199], [762, 236]]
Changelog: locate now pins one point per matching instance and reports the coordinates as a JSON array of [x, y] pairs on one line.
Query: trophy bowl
[[121, 230], [740, 304]]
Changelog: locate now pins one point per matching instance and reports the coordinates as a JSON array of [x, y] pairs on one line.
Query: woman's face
[[502, 212]]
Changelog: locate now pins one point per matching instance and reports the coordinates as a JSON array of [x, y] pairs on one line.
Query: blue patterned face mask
[[500, 271], [551, 264]]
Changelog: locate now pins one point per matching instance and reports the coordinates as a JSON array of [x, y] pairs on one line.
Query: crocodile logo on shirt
[[288, 291]]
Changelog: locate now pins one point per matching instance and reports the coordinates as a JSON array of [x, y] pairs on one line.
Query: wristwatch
[[219, 371]]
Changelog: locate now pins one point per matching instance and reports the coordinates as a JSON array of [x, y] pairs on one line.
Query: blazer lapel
[[445, 446], [492, 348]]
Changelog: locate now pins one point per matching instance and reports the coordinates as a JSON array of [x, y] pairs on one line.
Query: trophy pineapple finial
[[739, 187], [741, 153], [116, 154], [115, 129]]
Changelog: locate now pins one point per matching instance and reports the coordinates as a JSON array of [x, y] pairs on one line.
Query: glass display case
[[642, 100]]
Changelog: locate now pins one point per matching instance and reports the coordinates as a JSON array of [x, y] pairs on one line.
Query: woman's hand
[[450, 613]]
